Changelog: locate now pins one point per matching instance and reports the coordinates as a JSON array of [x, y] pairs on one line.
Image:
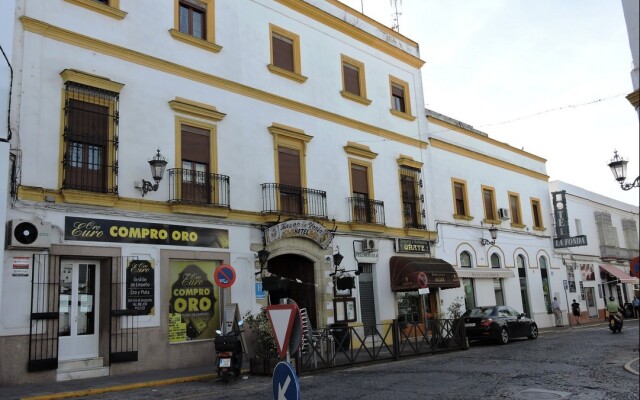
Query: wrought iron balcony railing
[[285, 199], [366, 210], [198, 188]]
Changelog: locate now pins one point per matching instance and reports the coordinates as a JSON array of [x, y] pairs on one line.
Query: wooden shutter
[[459, 193], [195, 144], [488, 204], [359, 179], [289, 166], [351, 78], [282, 52]]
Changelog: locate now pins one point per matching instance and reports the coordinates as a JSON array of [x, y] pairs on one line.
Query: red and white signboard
[[282, 318]]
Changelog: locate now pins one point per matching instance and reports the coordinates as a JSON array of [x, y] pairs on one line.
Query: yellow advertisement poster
[[194, 312]]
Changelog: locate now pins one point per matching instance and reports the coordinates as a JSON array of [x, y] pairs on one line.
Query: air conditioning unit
[[369, 244], [503, 213], [23, 234]]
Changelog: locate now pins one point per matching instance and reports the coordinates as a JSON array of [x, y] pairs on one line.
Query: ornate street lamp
[[618, 167], [493, 231]]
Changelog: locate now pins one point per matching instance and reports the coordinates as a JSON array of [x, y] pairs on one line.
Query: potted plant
[[265, 355]]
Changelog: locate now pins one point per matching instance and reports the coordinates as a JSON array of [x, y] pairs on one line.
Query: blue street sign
[[286, 385]]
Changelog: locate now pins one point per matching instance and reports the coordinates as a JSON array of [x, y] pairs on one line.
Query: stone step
[[81, 369]]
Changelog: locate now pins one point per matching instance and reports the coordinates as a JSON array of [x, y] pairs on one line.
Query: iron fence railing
[[339, 346], [366, 210], [286, 199]]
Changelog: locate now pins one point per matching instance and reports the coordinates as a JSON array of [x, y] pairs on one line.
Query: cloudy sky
[[549, 76]]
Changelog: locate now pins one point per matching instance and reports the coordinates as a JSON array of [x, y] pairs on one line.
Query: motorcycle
[[229, 353], [615, 323]]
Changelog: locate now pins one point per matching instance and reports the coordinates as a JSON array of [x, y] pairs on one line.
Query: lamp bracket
[[148, 187]]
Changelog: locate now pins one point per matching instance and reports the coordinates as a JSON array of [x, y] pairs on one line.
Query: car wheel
[[533, 332], [504, 336]]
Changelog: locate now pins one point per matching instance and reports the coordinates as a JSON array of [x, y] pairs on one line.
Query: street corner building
[[166, 178]]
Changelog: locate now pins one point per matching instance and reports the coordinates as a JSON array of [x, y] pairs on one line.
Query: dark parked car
[[499, 323]]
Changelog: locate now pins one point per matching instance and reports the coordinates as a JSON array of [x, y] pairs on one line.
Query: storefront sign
[[299, 228], [572, 241], [21, 266], [193, 312], [114, 231], [412, 246], [140, 287]]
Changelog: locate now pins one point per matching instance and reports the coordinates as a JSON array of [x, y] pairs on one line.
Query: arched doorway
[[294, 268]]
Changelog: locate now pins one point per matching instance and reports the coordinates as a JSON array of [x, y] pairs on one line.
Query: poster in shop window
[[193, 306]]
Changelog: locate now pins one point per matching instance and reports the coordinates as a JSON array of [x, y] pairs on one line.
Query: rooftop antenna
[[396, 15]]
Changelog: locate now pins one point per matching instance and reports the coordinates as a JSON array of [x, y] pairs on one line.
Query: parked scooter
[[615, 322], [229, 353]]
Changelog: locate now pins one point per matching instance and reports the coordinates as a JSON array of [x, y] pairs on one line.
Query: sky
[[548, 76]]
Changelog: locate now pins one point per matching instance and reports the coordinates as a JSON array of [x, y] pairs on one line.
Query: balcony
[[293, 200], [617, 253], [188, 187], [366, 211]]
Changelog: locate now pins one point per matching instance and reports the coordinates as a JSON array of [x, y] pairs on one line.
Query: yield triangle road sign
[[282, 317]]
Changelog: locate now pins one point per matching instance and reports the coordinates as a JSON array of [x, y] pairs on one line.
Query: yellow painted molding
[[353, 97], [519, 226], [110, 49], [352, 31], [89, 198], [408, 161], [196, 109], [360, 227], [463, 217], [287, 74], [112, 11], [486, 139], [359, 150], [413, 232], [96, 81], [290, 132], [452, 148], [194, 41], [402, 115], [209, 211]]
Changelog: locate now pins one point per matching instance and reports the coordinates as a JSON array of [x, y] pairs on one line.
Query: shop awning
[[413, 273], [618, 273]]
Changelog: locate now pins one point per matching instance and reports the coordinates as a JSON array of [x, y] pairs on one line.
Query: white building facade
[[290, 126], [602, 267], [480, 184]]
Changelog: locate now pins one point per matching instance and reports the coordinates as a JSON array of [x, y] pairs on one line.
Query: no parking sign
[[224, 275]]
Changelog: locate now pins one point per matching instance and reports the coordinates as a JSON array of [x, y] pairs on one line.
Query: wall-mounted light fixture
[[157, 164], [618, 167], [263, 256], [493, 231]]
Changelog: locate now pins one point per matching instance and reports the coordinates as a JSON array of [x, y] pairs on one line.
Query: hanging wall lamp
[[157, 164]]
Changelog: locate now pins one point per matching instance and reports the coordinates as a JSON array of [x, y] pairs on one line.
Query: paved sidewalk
[[107, 384]]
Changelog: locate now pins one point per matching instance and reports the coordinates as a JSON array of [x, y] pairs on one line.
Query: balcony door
[[360, 184], [290, 182], [79, 298], [196, 183]]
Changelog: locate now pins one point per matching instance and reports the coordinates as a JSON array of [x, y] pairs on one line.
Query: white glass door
[[78, 326]]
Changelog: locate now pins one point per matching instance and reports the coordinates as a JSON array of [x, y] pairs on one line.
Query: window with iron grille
[[410, 183], [90, 139]]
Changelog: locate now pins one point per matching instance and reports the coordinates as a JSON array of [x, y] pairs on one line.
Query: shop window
[[469, 293], [522, 275], [90, 133], [499, 291], [544, 275], [285, 54]]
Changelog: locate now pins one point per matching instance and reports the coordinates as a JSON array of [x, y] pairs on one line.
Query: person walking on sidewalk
[[575, 309], [636, 307], [557, 312]]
